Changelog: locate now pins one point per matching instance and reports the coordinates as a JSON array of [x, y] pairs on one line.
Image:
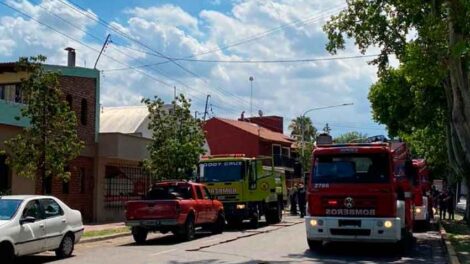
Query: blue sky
[[255, 30]]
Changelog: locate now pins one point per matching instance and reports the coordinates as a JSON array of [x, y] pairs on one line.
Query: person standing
[[443, 204], [293, 200], [302, 198], [450, 203]]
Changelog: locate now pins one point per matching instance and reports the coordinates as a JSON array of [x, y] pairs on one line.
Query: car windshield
[[8, 208], [351, 168], [169, 192], [223, 171]]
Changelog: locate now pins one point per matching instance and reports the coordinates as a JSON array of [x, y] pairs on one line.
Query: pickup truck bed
[[178, 207]]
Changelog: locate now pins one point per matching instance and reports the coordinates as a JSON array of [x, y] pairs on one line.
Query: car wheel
[[7, 253], [66, 247], [139, 234], [189, 230], [218, 226]]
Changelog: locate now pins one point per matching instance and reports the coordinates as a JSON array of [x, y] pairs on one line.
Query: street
[[282, 243]]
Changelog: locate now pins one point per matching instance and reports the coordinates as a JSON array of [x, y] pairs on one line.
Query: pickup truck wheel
[[218, 226], [6, 253], [189, 230], [314, 245], [66, 247], [139, 234]]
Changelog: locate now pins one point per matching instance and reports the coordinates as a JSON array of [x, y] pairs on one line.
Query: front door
[[31, 237], [210, 209], [56, 222]]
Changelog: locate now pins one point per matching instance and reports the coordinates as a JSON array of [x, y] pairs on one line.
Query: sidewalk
[[99, 227]]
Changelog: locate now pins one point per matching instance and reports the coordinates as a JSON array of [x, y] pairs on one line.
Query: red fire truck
[[422, 193], [359, 192]]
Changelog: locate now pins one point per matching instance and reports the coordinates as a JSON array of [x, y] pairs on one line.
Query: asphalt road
[[283, 243]]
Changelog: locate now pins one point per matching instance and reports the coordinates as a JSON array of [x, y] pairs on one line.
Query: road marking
[[162, 252]]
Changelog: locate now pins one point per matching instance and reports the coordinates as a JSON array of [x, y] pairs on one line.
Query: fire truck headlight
[[418, 210], [240, 206], [388, 224], [313, 222]]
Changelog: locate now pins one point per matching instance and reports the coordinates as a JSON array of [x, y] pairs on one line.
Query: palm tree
[[309, 131]]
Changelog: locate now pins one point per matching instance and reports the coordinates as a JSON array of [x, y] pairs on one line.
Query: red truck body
[[359, 192], [422, 192], [175, 206]]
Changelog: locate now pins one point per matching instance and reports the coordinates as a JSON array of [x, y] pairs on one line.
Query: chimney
[[70, 57]]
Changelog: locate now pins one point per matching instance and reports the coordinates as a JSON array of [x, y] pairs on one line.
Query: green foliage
[[305, 123], [178, 139], [305, 157], [50, 141], [351, 137]]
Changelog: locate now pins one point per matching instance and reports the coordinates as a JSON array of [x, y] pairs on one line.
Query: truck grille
[[350, 232]]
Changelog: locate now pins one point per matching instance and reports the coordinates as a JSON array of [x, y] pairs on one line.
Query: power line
[[258, 61], [81, 10], [82, 43]]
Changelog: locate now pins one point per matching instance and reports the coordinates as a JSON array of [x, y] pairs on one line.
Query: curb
[[451, 254], [101, 238]]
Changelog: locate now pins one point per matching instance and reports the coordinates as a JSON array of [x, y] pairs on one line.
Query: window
[[48, 185], [69, 100], [32, 209], [51, 208], [65, 187], [84, 112], [10, 92], [207, 194], [82, 180], [199, 193]]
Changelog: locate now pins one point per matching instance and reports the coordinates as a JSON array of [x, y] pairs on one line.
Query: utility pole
[[251, 95], [205, 109], [106, 42]]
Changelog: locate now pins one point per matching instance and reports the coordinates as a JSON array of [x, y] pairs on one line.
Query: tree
[[414, 112], [177, 139], [309, 131], [303, 125], [432, 35], [50, 142], [351, 137]]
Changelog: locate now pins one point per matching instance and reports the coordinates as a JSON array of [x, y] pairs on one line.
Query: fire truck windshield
[[351, 168], [221, 171]]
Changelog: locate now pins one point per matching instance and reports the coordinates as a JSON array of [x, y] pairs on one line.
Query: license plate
[[150, 222]]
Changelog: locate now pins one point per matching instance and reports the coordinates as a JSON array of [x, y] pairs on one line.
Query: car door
[[56, 222], [211, 212], [31, 235], [200, 209]]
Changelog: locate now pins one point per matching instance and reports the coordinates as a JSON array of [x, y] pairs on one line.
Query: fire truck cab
[[359, 192]]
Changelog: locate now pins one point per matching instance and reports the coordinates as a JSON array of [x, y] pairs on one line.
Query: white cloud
[[283, 89]]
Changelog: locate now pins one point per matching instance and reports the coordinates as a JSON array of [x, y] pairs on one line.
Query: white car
[[32, 224]]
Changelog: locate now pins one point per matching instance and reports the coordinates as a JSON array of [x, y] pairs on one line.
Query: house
[[260, 136], [81, 88]]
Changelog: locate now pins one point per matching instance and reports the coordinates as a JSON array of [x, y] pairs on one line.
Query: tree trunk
[[458, 98]]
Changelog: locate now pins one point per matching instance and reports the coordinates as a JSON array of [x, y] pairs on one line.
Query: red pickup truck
[[176, 206]]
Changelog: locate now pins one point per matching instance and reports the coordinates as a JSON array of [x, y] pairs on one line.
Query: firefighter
[[293, 200], [302, 198], [450, 203], [443, 204]]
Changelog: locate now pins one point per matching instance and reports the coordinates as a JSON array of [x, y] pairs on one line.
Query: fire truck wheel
[[139, 234], [405, 243], [254, 221], [314, 245]]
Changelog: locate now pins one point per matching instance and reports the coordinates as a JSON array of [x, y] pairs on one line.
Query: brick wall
[[82, 88], [80, 190]]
